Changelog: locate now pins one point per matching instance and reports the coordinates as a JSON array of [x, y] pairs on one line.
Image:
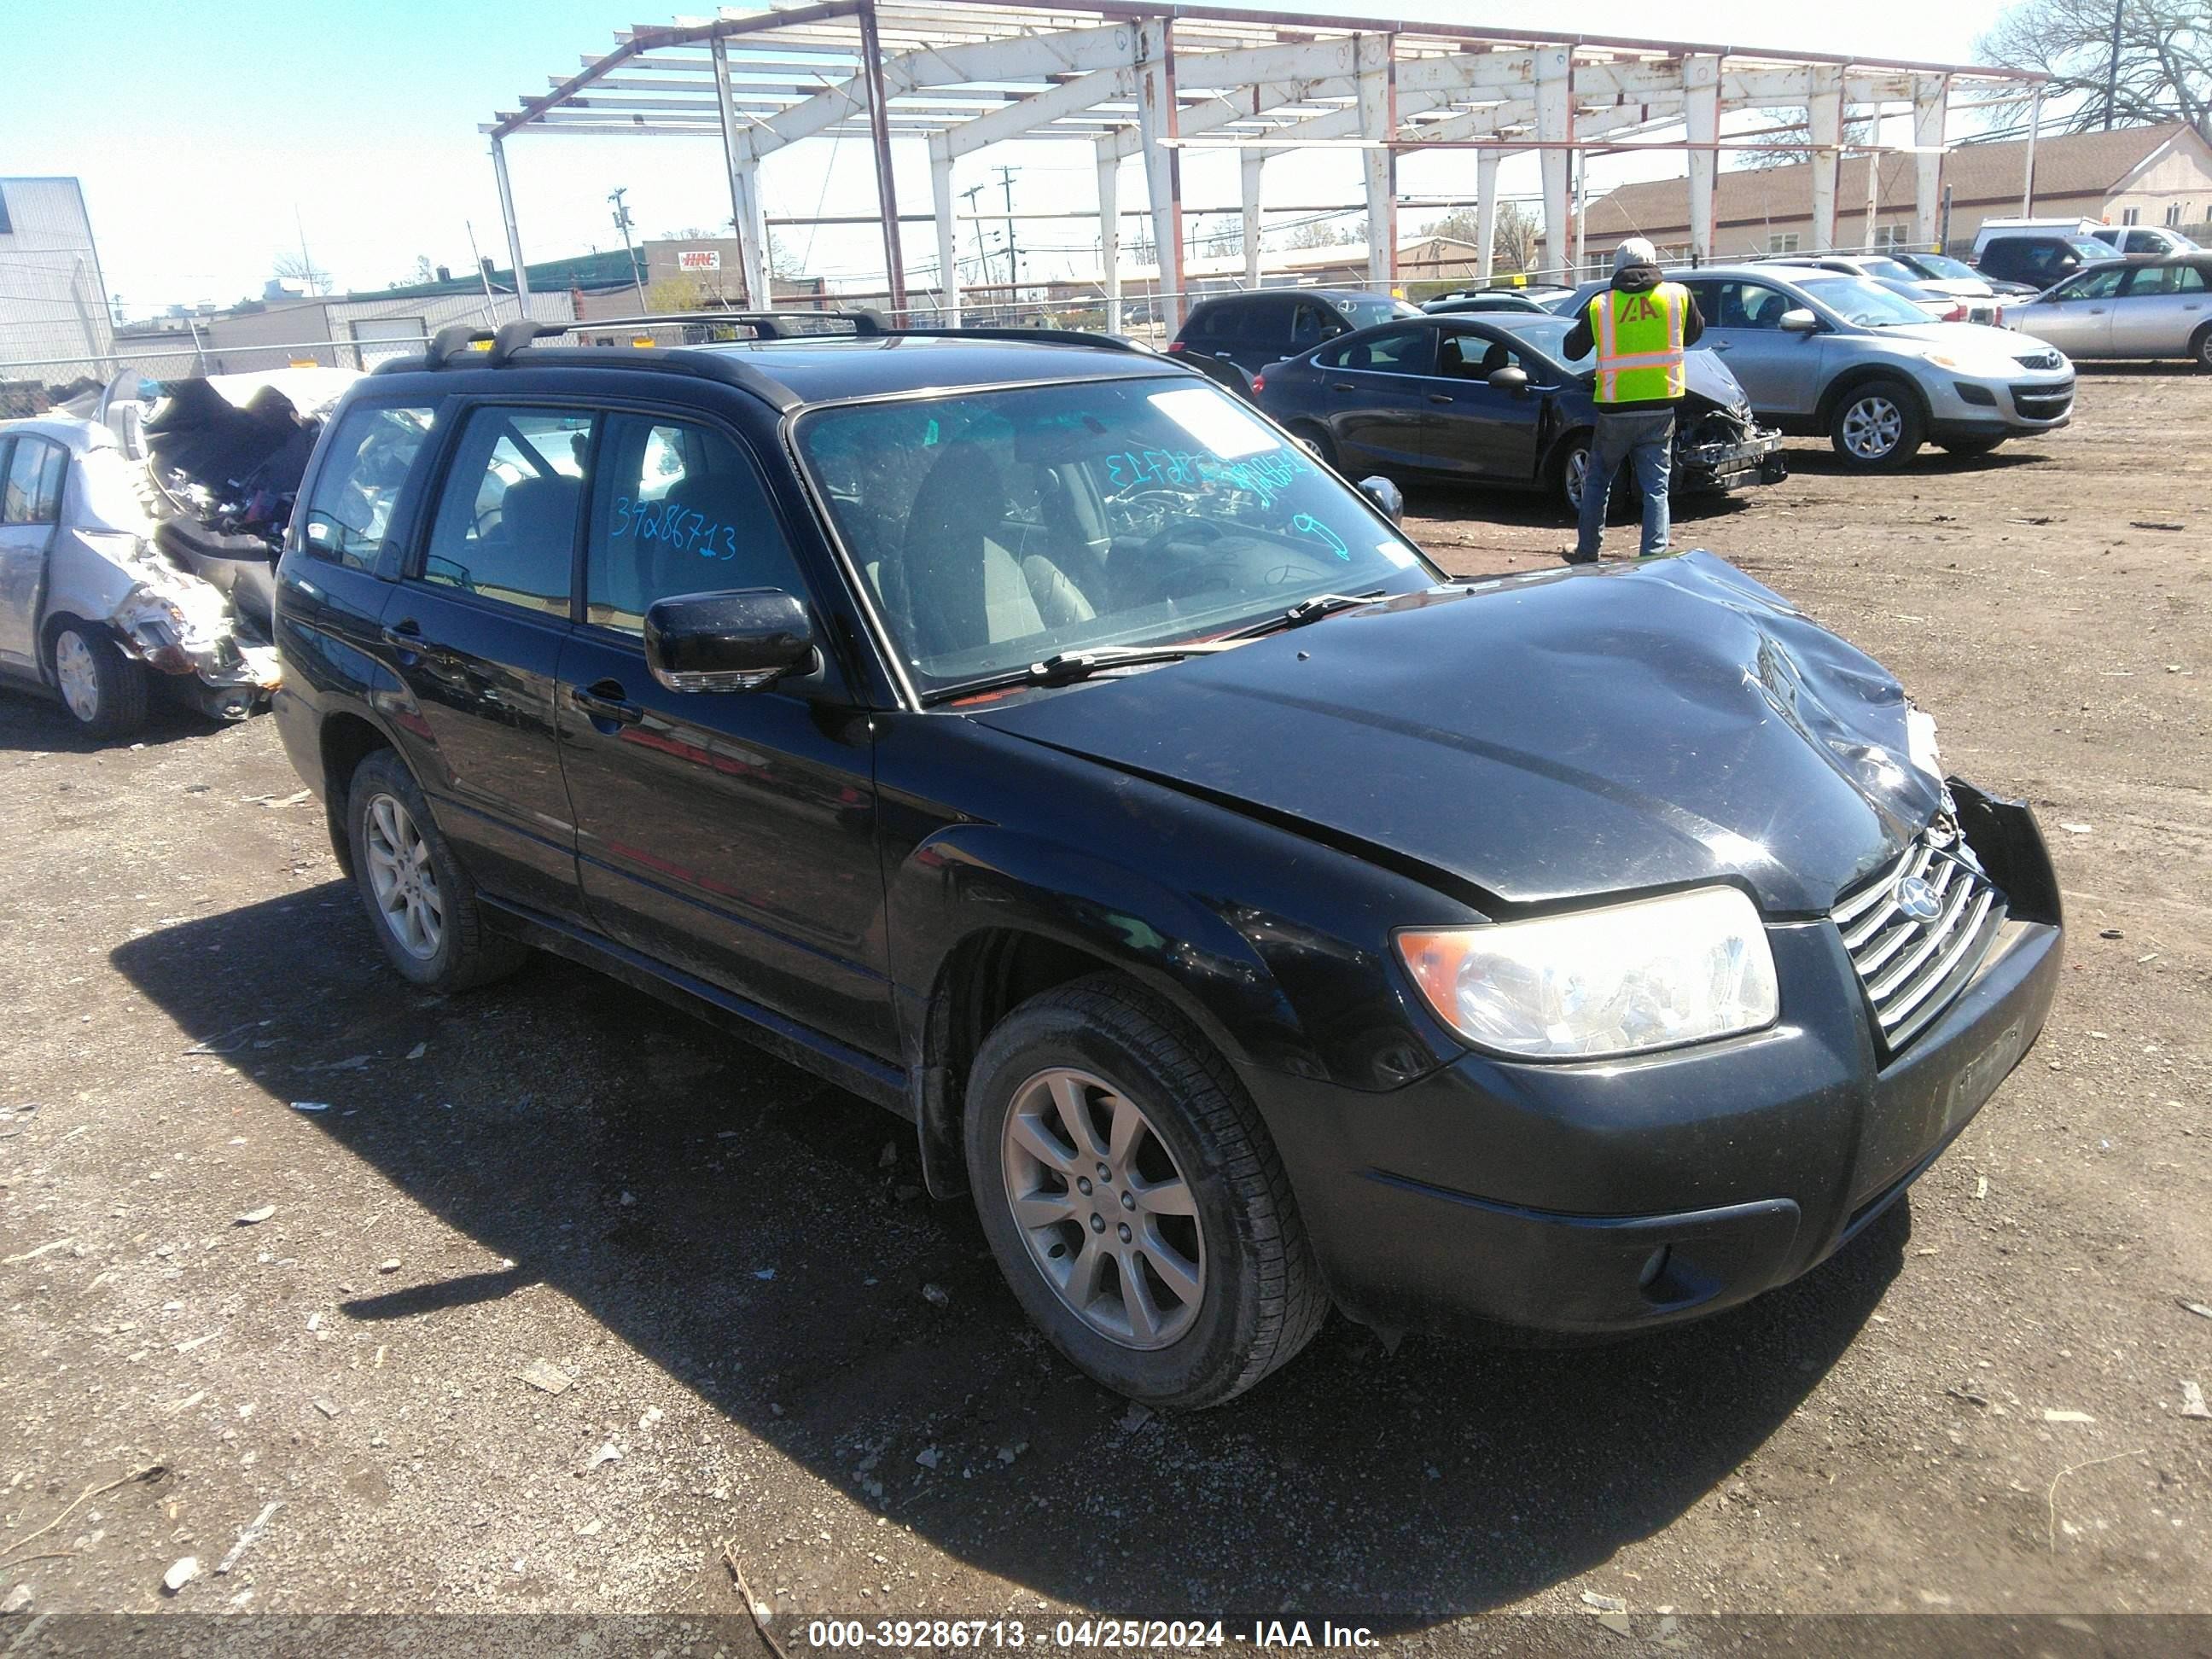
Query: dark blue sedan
[[1489, 399]]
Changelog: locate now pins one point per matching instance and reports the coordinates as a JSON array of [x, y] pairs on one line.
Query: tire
[[1568, 468], [1316, 442], [2200, 348], [1969, 446], [1877, 425], [1227, 1288], [421, 903], [104, 690]]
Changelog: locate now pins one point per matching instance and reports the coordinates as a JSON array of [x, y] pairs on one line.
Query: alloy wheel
[[1577, 474], [1103, 1208], [1872, 428], [79, 675], [403, 879]]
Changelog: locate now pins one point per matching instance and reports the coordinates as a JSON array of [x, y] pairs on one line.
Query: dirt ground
[[763, 1335]]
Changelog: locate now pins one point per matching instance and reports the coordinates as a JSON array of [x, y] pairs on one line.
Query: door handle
[[1720, 345], [1223, 355], [1343, 385], [407, 635], [606, 701], [1440, 396]]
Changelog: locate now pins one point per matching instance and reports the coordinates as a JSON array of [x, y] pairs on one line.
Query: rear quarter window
[[351, 515]]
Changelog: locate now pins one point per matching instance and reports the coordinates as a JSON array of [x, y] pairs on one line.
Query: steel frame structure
[[1149, 83]]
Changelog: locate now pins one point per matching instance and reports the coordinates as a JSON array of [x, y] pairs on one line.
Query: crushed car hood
[[1542, 738]]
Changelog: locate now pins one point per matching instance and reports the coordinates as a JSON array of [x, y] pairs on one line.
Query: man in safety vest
[[1640, 328]]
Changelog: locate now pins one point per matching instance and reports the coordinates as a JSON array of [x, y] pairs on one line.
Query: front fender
[[973, 878]]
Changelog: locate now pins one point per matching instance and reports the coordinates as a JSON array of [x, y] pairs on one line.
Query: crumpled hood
[[1550, 737]]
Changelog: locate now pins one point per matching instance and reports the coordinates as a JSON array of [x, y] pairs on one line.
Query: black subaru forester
[[1029, 736]]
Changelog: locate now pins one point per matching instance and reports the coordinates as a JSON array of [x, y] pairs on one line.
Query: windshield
[[1944, 267], [1547, 334], [1887, 270], [1861, 304], [1365, 314], [996, 529]]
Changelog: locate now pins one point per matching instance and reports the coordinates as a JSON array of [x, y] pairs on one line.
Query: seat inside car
[[958, 583]]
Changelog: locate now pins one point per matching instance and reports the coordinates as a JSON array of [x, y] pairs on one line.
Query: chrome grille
[[1912, 965]]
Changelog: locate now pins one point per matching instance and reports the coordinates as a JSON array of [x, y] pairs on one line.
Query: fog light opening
[[1654, 1266]]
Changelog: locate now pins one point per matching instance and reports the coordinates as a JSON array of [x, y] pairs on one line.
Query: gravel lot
[[759, 1331]]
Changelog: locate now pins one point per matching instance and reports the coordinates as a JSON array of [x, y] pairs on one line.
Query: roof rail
[[1047, 336], [769, 325], [503, 342]]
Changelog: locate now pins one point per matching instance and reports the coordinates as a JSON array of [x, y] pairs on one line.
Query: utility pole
[[982, 259], [622, 224], [1013, 264], [2113, 66]]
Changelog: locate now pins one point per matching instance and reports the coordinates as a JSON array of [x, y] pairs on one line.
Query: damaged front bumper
[[1732, 463]]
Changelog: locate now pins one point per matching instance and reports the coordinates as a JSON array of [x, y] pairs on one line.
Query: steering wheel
[[1164, 584]]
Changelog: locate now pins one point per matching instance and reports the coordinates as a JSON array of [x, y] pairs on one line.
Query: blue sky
[[200, 131]]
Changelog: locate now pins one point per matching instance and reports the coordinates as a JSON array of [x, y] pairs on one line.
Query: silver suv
[[1821, 352]]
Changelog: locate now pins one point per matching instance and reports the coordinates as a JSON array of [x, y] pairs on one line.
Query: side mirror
[[1383, 496], [1799, 321], [1509, 378], [735, 642]]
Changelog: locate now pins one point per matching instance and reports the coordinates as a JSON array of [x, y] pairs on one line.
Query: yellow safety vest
[[1640, 343]]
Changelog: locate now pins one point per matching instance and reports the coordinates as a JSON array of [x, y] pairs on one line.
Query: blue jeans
[[1647, 440]]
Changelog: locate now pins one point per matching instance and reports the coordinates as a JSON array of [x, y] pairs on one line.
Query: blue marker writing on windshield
[[1308, 524]]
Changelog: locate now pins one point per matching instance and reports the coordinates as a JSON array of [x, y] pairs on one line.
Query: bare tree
[[298, 267], [1513, 235], [1790, 134], [2160, 71]]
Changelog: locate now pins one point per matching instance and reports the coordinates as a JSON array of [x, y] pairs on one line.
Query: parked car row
[[968, 720]]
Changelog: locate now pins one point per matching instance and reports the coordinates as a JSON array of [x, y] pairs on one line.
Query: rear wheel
[[104, 690], [1133, 1199], [419, 900], [1877, 426], [1316, 442]]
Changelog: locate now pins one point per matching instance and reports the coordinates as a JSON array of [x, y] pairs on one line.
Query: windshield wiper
[[1067, 666], [1304, 611]]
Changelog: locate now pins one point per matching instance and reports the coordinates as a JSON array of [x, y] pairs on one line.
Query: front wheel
[[419, 900], [2200, 349], [1877, 426], [1133, 1199], [1571, 471]]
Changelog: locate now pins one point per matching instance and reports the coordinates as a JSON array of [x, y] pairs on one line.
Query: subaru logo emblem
[[1917, 899]]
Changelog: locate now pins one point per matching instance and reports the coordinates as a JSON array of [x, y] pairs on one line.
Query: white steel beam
[[1825, 111], [1017, 119], [1109, 230], [1485, 211], [1701, 78], [948, 234], [1251, 162], [1155, 118], [1931, 111], [514, 230], [1017, 58], [1555, 129], [1378, 119]]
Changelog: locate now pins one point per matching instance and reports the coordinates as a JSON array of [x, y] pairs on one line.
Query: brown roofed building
[[2159, 175]]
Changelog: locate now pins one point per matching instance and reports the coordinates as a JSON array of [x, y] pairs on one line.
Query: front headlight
[[1623, 980]]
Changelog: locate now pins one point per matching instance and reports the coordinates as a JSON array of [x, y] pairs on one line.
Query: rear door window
[[677, 508], [1394, 351], [2165, 279], [351, 516], [31, 488], [507, 521]]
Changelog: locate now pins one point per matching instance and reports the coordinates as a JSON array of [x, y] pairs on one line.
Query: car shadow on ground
[[1441, 503], [31, 722], [1931, 462], [658, 1173]]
